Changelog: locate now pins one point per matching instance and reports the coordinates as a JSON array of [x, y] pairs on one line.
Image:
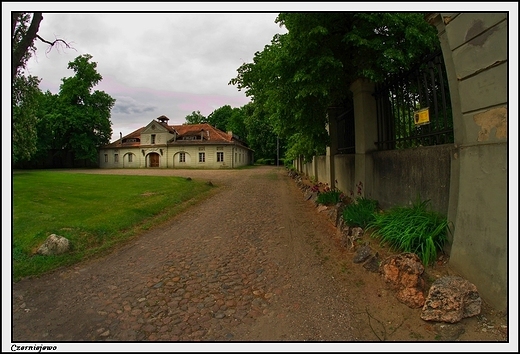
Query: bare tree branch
[[54, 43], [26, 41]]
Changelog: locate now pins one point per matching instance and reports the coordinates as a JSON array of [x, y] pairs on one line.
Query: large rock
[[451, 299], [54, 245], [404, 273]]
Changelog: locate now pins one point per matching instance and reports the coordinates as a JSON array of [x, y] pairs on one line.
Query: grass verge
[[95, 212]]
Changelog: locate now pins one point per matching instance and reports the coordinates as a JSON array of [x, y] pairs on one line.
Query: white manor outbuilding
[[159, 145]]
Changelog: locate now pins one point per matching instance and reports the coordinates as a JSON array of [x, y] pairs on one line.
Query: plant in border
[[361, 212], [415, 229], [330, 196]]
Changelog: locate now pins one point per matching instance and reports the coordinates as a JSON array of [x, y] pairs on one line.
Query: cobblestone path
[[243, 265]]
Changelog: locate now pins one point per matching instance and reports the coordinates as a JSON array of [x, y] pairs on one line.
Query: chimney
[[120, 138]]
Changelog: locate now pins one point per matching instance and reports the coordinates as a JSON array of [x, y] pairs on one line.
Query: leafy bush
[[264, 161], [412, 229], [331, 197], [361, 212], [289, 163]]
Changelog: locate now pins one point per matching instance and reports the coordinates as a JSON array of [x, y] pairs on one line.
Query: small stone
[[362, 254]]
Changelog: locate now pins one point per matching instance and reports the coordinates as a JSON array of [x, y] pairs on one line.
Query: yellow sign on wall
[[421, 116]]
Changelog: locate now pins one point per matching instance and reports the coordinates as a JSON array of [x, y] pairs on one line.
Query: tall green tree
[[260, 134], [195, 118], [25, 92], [220, 117], [227, 119], [25, 99], [78, 117], [310, 68]]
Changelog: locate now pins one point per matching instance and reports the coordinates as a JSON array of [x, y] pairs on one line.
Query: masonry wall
[[321, 169], [475, 51], [402, 176], [344, 173]]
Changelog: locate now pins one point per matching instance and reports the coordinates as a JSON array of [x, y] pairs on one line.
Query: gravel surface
[[253, 263]]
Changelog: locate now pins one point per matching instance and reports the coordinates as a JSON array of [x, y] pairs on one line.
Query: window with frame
[[130, 157], [220, 156], [202, 157], [182, 157], [106, 157], [116, 158], [153, 139]]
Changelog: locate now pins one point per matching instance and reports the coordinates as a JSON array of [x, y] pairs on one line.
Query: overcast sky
[[155, 64]]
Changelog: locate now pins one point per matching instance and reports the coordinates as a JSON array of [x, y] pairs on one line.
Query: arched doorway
[[153, 159]]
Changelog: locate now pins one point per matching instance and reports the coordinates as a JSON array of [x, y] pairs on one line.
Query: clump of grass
[[331, 197], [360, 213], [413, 229]]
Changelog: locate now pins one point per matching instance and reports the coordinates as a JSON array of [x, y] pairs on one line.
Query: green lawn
[[95, 212]]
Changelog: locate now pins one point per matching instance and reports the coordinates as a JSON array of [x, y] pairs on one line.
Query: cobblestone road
[[243, 265]]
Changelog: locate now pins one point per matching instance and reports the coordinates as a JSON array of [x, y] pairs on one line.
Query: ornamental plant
[[415, 229], [360, 213], [330, 197]]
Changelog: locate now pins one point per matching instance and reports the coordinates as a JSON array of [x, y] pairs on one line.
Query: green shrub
[[264, 161], [361, 212], [331, 197], [413, 229]]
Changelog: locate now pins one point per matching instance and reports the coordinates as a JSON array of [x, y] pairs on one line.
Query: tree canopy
[[195, 118], [77, 119], [25, 91], [310, 68]]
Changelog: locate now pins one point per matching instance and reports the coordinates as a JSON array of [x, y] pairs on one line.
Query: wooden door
[[154, 160]]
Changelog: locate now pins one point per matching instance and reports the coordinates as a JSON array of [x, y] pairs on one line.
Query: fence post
[[365, 118]]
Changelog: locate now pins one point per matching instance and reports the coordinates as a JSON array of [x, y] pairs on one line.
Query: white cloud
[[156, 63]]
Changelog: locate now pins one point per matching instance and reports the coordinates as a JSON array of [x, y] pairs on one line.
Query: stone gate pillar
[[474, 47], [365, 120]]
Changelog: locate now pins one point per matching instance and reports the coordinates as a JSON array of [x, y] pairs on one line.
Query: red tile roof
[[210, 134]]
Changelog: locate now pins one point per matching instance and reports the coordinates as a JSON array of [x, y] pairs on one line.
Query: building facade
[[159, 145]]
